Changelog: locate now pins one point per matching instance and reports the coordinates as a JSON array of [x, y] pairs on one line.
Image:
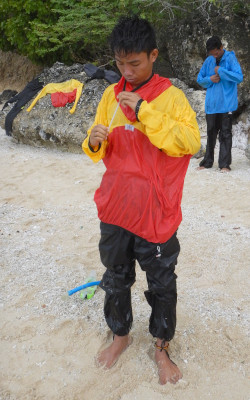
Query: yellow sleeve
[[78, 86], [173, 130], [100, 118]]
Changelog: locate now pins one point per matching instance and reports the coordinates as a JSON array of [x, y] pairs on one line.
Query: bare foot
[[225, 170], [200, 168], [108, 357], [167, 370]]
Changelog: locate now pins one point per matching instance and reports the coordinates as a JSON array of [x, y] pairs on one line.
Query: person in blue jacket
[[220, 74]]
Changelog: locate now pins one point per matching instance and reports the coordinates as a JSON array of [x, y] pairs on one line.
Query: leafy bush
[[77, 30], [62, 30]]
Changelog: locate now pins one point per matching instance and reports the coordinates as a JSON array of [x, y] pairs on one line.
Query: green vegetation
[[77, 30]]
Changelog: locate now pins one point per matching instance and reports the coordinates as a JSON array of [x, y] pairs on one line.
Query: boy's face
[[136, 67], [217, 53]]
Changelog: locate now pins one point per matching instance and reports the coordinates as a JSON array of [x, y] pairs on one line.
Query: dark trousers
[[218, 124], [119, 250]]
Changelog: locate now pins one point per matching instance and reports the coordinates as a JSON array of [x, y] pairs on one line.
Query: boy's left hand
[[128, 99]]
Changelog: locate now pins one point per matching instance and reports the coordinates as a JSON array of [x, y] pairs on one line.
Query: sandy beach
[[49, 244]]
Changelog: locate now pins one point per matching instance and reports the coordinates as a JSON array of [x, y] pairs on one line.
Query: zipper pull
[[159, 251]]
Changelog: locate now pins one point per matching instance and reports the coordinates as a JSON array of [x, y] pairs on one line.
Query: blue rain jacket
[[221, 97]]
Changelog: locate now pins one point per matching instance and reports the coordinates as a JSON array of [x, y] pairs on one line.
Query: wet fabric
[[155, 86], [218, 124], [146, 162], [118, 250], [99, 73], [20, 100], [60, 99], [6, 95], [141, 189], [221, 97], [67, 86]]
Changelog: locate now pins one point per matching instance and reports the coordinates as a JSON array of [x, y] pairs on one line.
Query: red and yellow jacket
[[145, 161]]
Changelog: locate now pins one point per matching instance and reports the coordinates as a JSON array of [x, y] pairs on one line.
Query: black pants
[[222, 124], [119, 249]]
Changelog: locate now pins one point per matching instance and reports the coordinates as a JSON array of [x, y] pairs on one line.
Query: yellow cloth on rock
[[67, 86]]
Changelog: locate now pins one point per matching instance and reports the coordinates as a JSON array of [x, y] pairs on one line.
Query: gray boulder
[[48, 126], [52, 127]]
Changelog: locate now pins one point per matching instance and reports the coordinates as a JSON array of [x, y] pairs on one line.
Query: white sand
[[49, 244]]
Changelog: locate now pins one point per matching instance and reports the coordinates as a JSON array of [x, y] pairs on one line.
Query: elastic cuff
[[91, 148]]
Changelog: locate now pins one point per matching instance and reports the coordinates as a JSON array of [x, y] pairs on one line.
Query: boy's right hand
[[215, 78], [98, 134]]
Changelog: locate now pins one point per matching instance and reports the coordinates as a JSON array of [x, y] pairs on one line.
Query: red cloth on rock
[[60, 99]]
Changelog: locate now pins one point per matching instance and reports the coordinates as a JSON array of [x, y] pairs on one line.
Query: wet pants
[[119, 250], [222, 124]]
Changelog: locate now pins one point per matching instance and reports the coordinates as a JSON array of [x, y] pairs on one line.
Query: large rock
[[53, 127], [47, 126], [241, 132]]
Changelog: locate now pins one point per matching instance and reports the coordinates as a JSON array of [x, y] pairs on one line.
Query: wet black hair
[[213, 43], [132, 35]]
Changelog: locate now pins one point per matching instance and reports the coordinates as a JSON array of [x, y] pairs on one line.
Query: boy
[[145, 132], [220, 75]]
